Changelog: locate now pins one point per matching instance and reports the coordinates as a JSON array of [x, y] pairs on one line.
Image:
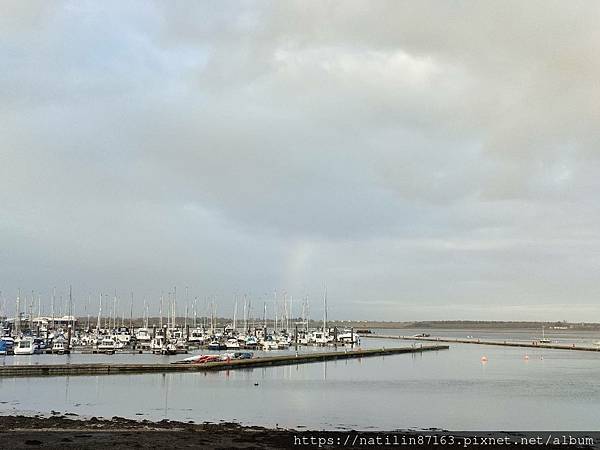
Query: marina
[[228, 364], [443, 389], [168, 333], [231, 224]]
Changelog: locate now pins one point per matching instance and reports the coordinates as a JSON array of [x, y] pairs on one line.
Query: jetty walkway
[[38, 370], [532, 344]]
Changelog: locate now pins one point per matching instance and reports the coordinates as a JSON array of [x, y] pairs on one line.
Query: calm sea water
[[451, 389]]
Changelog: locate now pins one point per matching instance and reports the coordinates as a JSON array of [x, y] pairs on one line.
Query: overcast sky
[[425, 160]]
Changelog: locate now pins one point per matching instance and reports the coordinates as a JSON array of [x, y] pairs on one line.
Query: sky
[[420, 159]]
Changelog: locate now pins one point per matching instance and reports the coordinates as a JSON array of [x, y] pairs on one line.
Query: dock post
[[335, 334], [351, 336], [69, 337]]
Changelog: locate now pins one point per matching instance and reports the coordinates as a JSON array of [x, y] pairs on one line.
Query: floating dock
[[38, 370], [532, 344]]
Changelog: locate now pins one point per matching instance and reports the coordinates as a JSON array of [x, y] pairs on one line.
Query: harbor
[[381, 393], [232, 364], [168, 333]]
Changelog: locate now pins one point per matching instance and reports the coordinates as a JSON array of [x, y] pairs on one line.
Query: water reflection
[[165, 388], [446, 389]]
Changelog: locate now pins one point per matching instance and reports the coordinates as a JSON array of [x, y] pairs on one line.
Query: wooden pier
[[532, 344], [38, 370]]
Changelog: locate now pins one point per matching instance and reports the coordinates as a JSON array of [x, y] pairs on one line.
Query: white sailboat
[[544, 339]]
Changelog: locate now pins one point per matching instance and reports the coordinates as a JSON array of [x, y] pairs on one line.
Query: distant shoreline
[[466, 324], [221, 322]]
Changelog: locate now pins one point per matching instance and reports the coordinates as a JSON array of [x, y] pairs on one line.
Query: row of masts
[[29, 305], [111, 311]]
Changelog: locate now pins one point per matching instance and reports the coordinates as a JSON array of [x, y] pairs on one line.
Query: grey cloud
[[405, 153]]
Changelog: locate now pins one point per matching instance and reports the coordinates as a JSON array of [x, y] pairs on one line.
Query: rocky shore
[[62, 431], [69, 431]]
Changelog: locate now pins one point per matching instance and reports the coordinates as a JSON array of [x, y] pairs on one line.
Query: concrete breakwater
[[38, 370], [532, 344]]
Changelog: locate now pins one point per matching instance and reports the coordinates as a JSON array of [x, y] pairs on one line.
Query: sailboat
[[544, 339]]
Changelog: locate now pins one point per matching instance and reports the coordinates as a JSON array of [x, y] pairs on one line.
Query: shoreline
[[71, 431]]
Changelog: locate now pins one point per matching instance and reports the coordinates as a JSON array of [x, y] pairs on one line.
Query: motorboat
[[269, 343], [175, 333], [40, 344], [157, 344], [60, 347], [107, 345], [283, 342], [25, 346], [216, 345], [123, 337], [320, 338], [143, 338], [251, 342], [7, 345], [170, 348], [197, 336], [349, 337], [232, 343]]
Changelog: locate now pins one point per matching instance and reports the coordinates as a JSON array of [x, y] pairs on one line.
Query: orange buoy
[[484, 359]]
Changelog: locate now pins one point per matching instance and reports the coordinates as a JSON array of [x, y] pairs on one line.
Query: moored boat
[[232, 343], [107, 345], [25, 346]]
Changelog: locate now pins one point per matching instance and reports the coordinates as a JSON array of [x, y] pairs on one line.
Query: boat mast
[[170, 313], [71, 318], [275, 308], [52, 306], [245, 316], [212, 316], [131, 313], [235, 314], [325, 309], [195, 312], [161, 309], [174, 322], [144, 315], [18, 315], [99, 316], [291, 314], [87, 311], [114, 311], [186, 308]]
